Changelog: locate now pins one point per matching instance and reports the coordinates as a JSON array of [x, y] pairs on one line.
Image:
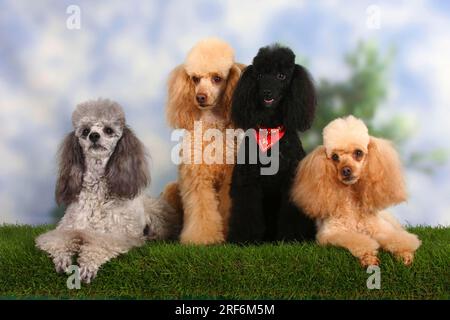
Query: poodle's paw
[[369, 260], [88, 273], [204, 238], [62, 263], [407, 257]]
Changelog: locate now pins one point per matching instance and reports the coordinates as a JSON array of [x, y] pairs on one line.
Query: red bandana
[[267, 137]]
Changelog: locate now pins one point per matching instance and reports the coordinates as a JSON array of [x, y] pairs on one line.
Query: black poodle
[[274, 92]]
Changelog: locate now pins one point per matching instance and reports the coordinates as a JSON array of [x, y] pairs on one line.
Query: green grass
[[283, 271]]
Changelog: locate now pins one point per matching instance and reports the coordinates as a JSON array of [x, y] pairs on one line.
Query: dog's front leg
[[98, 248], [61, 245], [360, 245], [247, 222], [293, 224], [225, 199], [395, 239], [203, 223]]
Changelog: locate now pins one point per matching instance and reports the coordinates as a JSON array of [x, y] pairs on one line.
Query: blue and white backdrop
[[124, 50]]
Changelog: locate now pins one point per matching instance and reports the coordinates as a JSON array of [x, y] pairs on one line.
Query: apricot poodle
[[346, 184], [200, 92]]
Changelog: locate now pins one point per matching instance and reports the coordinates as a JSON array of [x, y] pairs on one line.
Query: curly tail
[[162, 220]]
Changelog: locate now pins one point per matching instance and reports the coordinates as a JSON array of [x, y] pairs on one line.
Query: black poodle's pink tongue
[[267, 137], [268, 102]]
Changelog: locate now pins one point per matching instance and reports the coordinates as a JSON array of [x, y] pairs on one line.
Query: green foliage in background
[[362, 94]]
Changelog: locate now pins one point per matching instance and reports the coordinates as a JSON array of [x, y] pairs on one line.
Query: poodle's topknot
[[342, 132], [210, 55], [274, 52], [103, 109]]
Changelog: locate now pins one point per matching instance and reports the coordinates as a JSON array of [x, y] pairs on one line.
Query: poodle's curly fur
[[102, 173], [201, 90], [346, 184], [272, 92]]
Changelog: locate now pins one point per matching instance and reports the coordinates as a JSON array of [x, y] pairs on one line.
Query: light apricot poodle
[[346, 184], [200, 91]]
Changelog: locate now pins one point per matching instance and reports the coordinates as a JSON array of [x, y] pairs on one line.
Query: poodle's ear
[[127, 170], [315, 189], [232, 80], [301, 101], [181, 110], [244, 100], [71, 169], [382, 183]]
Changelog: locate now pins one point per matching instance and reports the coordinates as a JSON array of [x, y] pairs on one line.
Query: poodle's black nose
[[346, 172], [267, 94], [94, 136], [201, 98]]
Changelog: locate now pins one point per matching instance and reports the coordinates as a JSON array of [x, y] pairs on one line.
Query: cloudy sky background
[[125, 50]]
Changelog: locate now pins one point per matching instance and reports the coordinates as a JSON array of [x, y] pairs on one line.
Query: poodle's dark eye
[[195, 79], [335, 157], [281, 76], [108, 130], [358, 154], [85, 132], [217, 79]]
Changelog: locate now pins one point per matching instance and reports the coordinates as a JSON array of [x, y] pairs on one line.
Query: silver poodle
[[102, 174]]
